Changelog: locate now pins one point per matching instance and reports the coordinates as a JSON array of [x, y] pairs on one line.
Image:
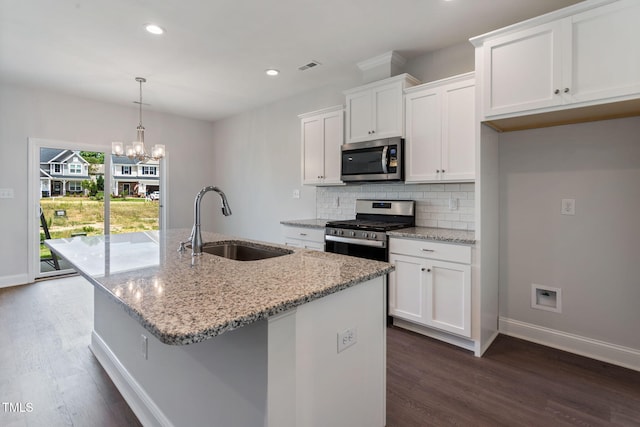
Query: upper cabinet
[[376, 110], [581, 56], [440, 130], [322, 134]]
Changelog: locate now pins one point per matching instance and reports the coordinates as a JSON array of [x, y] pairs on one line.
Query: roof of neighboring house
[[125, 161], [59, 155], [43, 174]]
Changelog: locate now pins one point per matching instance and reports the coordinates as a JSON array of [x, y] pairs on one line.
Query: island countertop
[[184, 302]]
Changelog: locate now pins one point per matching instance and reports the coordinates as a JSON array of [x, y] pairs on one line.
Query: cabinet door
[[458, 131], [605, 60], [424, 135], [523, 70], [313, 150], [333, 138], [449, 297], [359, 116], [407, 288], [387, 111]]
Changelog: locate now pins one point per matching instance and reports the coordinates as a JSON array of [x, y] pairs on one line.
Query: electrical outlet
[[453, 204], [568, 207], [296, 194], [144, 346], [347, 338]]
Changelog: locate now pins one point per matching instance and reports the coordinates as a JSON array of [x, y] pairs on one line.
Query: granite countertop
[[306, 223], [438, 234], [181, 303]]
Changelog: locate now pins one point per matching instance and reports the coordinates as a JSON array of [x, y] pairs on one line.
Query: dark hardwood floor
[[45, 361], [516, 383], [45, 330]]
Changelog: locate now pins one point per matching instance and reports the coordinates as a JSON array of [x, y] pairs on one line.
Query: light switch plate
[[296, 194], [568, 207], [6, 193]]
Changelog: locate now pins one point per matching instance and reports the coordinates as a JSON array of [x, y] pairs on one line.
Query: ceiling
[[210, 63]]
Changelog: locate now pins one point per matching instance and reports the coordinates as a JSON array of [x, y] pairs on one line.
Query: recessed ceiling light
[[272, 72], [154, 29]]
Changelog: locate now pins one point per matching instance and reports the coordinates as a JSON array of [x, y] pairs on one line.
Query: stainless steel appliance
[[379, 160], [366, 236]]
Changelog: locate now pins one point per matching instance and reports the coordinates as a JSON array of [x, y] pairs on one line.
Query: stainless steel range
[[366, 236]]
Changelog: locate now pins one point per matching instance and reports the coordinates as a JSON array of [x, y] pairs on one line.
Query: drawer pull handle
[[303, 234], [428, 250]]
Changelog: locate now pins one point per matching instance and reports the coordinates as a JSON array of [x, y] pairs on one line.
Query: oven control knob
[[353, 233], [373, 235], [340, 232], [333, 231], [365, 235]]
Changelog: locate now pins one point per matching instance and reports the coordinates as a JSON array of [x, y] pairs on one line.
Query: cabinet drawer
[[304, 233], [429, 249]]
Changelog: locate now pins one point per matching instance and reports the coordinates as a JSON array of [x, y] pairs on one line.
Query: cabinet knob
[[423, 269], [566, 90], [373, 131], [369, 132], [442, 170], [428, 270], [557, 91], [437, 170]]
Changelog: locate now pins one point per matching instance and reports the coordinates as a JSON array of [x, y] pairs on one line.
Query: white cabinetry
[[304, 237], [322, 134], [431, 284], [376, 110], [440, 130], [590, 57]]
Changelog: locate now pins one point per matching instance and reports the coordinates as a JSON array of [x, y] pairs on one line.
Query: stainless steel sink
[[240, 251]]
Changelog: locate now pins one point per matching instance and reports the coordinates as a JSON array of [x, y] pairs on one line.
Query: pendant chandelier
[[136, 150]]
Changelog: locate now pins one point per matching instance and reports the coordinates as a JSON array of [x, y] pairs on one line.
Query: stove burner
[[358, 224]]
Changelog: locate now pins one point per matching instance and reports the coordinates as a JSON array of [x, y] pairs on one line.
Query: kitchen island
[[293, 340]]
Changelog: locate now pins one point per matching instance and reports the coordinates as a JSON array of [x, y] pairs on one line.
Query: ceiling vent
[[311, 64]]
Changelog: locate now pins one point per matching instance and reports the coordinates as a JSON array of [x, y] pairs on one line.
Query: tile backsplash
[[432, 202]]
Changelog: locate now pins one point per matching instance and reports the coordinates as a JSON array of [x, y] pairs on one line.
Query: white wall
[[34, 112], [257, 162], [592, 256], [257, 156], [450, 61]]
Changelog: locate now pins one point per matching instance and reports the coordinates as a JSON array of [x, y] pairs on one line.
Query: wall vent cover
[[309, 65]]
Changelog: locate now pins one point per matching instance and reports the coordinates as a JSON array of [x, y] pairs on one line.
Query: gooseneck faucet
[[196, 235]]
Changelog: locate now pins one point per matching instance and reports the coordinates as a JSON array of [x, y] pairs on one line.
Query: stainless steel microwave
[[379, 160]]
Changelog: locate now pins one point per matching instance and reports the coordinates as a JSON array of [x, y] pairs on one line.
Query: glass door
[[79, 191], [71, 200]]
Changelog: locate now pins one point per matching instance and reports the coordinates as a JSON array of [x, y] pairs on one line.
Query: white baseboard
[[15, 280], [139, 401], [595, 349]]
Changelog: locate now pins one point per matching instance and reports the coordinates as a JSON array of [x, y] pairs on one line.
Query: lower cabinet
[[304, 237], [431, 284]]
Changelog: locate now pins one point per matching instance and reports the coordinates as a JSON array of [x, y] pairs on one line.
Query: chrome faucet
[[196, 235]]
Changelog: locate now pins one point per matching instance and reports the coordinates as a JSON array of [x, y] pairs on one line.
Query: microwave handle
[[385, 159]]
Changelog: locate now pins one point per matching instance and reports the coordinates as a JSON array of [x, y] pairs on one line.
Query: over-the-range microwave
[[378, 160]]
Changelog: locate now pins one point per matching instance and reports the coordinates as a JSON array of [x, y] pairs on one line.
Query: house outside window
[[75, 186], [56, 168], [149, 170], [126, 170], [75, 169]]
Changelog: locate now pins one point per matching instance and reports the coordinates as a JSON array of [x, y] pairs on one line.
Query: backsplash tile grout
[[432, 202]]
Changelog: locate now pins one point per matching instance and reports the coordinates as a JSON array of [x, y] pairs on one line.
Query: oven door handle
[[361, 242]]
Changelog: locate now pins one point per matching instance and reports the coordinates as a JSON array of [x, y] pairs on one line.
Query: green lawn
[[85, 216]]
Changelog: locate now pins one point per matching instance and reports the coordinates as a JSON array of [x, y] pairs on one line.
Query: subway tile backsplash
[[432, 202]]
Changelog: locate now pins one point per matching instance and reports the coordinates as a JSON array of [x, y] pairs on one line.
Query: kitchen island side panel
[[221, 381]]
